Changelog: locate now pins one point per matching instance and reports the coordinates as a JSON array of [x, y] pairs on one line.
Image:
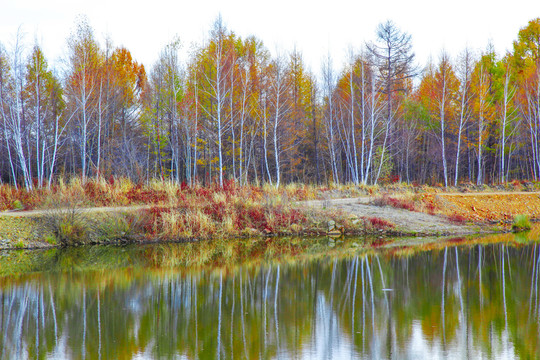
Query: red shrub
[[203, 192], [28, 199], [430, 208], [139, 195], [394, 202], [241, 219], [457, 218], [96, 194], [379, 223], [257, 218], [153, 216], [216, 211], [184, 186], [229, 186]]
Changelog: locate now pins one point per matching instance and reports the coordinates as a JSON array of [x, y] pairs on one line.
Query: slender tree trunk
[[443, 136], [276, 146], [506, 99], [265, 148], [353, 128], [462, 119]]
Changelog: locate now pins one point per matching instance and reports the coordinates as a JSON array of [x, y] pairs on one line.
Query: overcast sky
[[314, 27]]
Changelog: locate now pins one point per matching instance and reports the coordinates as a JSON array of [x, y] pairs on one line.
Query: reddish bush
[[151, 217], [379, 223], [257, 218], [139, 195], [216, 211], [241, 219], [183, 186], [386, 200], [205, 193], [430, 207], [457, 218], [229, 187], [29, 199], [96, 194]]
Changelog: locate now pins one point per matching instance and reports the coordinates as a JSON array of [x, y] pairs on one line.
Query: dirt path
[[32, 213], [406, 221]]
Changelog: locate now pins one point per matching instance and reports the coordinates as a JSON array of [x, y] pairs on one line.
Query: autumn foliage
[[229, 110]]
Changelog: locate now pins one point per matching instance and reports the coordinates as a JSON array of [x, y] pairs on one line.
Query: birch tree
[[279, 108], [526, 58], [217, 87], [507, 117], [443, 86], [371, 110], [482, 105], [5, 94], [329, 83], [464, 73], [13, 111], [43, 101], [83, 85]]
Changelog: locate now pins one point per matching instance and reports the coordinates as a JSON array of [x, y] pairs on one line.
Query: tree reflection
[[469, 301]]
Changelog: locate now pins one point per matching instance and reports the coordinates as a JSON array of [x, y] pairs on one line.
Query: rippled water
[[470, 300]]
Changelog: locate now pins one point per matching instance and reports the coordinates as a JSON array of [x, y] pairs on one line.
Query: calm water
[[471, 300]]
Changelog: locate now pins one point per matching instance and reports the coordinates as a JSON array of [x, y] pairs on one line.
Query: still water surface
[[470, 300]]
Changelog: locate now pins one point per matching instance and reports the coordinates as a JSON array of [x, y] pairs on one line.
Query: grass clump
[[51, 239], [120, 227], [68, 226], [19, 245], [17, 205], [521, 223]]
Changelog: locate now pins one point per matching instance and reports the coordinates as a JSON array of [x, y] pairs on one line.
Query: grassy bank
[[177, 212]]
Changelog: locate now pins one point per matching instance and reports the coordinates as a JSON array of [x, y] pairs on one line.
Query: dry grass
[[122, 192], [183, 211]]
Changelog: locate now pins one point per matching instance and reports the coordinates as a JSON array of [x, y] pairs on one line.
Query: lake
[[275, 299]]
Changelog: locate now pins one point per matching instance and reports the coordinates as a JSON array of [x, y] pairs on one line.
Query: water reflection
[[468, 301]]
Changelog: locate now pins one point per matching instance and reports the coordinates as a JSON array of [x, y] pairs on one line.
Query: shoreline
[[142, 239], [175, 214]]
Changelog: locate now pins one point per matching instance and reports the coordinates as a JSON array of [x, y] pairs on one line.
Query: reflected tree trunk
[[275, 312], [99, 323], [353, 304], [218, 347], [443, 297]]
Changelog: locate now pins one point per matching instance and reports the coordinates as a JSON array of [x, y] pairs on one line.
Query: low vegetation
[[120, 191], [178, 212], [399, 203], [521, 223]]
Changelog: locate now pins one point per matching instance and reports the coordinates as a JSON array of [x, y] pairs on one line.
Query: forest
[[233, 112]]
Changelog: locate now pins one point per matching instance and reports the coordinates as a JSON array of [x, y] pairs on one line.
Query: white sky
[[314, 27]]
